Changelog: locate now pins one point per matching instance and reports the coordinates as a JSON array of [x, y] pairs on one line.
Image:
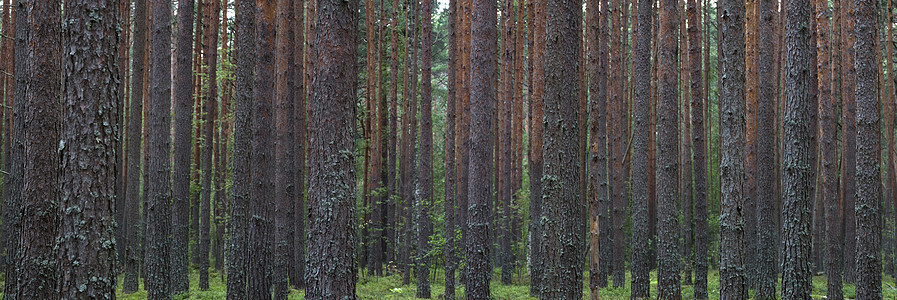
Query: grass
[[390, 287]]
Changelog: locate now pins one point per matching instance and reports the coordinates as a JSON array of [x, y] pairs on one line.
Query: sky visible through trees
[[454, 149]]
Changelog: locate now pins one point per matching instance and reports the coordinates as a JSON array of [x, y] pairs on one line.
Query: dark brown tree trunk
[[849, 139], [90, 89], [196, 185], [183, 90], [463, 126], [122, 57], [641, 288], [332, 194], [14, 141], [7, 83], [425, 204], [221, 142], [42, 111], [536, 106], [451, 241], [605, 207], [751, 134], [157, 182], [508, 41], [561, 218], [391, 160], [238, 256], [797, 180], [767, 199], [598, 148], [732, 142], [868, 227], [829, 151], [210, 111], [483, 31], [135, 138], [284, 151], [371, 228], [668, 156], [261, 233], [409, 182], [698, 148], [615, 126], [297, 270]]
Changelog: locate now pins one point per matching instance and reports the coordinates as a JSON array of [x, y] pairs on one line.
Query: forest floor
[[390, 287]]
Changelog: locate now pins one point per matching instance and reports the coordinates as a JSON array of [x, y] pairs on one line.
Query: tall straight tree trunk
[[221, 142], [198, 61], [598, 148], [732, 142], [829, 152], [667, 145], [135, 138], [751, 134], [536, 106], [245, 42], [157, 182], [262, 160], [767, 199], [561, 218], [463, 126], [483, 18], [183, 90], [849, 139], [425, 204], [14, 159], [123, 48], [391, 150], [508, 41], [332, 195], [284, 152], [86, 265], [7, 83], [297, 269], [695, 60], [42, 114], [371, 232], [450, 255], [868, 231], [641, 285], [210, 111], [797, 180], [616, 124], [604, 207], [892, 152]]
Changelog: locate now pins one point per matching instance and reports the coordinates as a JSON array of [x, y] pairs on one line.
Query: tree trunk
[[450, 255], [86, 265], [210, 111], [868, 184], [14, 142], [425, 204], [332, 195], [641, 288], [238, 260], [135, 138], [617, 142], [284, 152], [767, 198], [797, 180], [732, 142], [536, 106], [561, 218], [849, 139], [751, 135], [482, 52], [41, 139], [698, 145], [667, 145], [508, 41], [297, 270], [183, 90], [157, 182], [829, 151]]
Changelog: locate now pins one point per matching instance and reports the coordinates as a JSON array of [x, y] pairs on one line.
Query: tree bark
[[732, 142], [767, 198], [425, 204], [868, 184], [483, 18], [90, 89], [284, 152], [37, 280], [297, 271], [701, 237], [668, 156], [238, 260], [641, 288], [14, 142], [157, 182], [535, 162], [561, 219], [332, 194], [135, 138], [616, 124], [210, 111], [183, 90], [450, 255], [849, 139], [797, 180]]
